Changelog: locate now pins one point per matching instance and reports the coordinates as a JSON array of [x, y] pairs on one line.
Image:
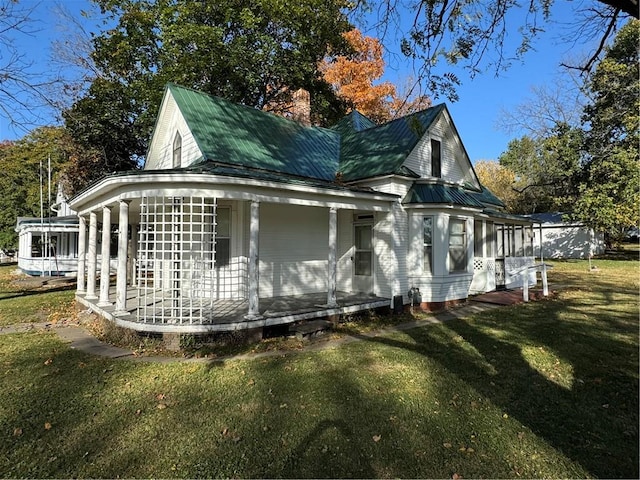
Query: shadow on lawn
[[27, 293], [594, 422]]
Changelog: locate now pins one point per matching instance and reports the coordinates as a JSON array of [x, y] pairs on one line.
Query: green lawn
[[546, 389], [21, 302]]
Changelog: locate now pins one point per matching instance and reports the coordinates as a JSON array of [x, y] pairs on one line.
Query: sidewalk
[[79, 338]]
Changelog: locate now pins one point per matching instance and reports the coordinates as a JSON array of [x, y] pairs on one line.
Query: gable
[[383, 149], [169, 121], [455, 163]]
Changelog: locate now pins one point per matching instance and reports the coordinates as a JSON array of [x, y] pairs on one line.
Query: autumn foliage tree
[[353, 76], [501, 180]]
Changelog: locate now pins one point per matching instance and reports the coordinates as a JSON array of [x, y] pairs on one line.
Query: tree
[[23, 90], [500, 179], [559, 102], [353, 75], [546, 168], [472, 33], [20, 163], [251, 52], [610, 190]]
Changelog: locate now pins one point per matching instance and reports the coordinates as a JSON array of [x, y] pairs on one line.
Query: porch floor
[[228, 315]]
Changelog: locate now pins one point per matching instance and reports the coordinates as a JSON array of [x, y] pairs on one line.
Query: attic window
[[177, 150], [435, 159]]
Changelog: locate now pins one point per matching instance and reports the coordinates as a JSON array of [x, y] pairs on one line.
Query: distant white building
[[561, 239], [49, 245]]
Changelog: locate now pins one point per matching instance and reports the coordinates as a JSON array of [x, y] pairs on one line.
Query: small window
[[427, 227], [177, 150], [457, 245], [435, 159], [478, 239], [223, 236], [490, 239], [363, 243]]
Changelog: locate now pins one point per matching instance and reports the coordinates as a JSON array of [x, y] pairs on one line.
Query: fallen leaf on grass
[[376, 438], [17, 432], [520, 435], [447, 445], [47, 426], [456, 476], [48, 361], [161, 406]]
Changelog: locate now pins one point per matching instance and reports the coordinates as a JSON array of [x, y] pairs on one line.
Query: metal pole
[[42, 233], [49, 214]]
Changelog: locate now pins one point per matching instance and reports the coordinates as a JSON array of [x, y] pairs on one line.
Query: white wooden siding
[[394, 186], [345, 251], [390, 246], [294, 246], [455, 164], [170, 120], [439, 286]]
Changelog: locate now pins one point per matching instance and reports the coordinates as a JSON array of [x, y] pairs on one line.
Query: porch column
[[121, 275], [91, 257], [254, 230], [82, 247], [332, 259], [28, 246], [106, 251]]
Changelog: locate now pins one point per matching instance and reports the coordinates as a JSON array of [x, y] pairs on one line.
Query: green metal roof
[[353, 122], [269, 176], [234, 134], [437, 193], [381, 150], [356, 147]]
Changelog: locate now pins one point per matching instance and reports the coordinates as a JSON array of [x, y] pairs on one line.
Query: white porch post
[[91, 257], [27, 249], [254, 230], [121, 274], [332, 258], [106, 251], [82, 247]]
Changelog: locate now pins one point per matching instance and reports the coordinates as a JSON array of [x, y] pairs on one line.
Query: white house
[[563, 239], [241, 219], [49, 245]]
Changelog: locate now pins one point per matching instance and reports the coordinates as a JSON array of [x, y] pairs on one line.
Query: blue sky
[[475, 114]]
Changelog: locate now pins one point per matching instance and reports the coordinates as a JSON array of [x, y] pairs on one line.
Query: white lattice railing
[[178, 280]]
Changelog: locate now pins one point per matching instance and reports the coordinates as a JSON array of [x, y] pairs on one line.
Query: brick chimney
[[301, 109]]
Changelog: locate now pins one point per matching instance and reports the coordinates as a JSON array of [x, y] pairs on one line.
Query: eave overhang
[[224, 184]]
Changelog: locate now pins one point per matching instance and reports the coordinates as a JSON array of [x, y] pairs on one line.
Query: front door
[[363, 257]]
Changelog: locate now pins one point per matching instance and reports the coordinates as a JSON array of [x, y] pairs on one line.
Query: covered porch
[[201, 253]]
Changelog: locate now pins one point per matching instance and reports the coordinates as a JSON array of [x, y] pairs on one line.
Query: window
[[478, 239], [435, 159], [36, 246], [363, 242], [491, 239], [427, 227], [223, 236], [457, 245], [177, 150]]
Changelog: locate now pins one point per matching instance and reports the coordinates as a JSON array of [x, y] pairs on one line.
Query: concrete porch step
[[306, 330]]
